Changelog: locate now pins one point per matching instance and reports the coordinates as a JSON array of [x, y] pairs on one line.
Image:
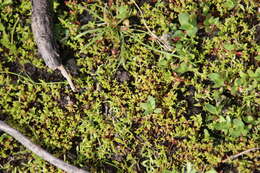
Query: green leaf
[[187, 26], [205, 10], [192, 32], [229, 4], [220, 126], [123, 12], [238, 82], [188, 23], [118, 140], [179, 33], [257, 73], [184, 18], [238, 123], [151, 101], [250, 73], [238, 129], [144, 106], [158, 110], [249, 119], [229, 47], [257, 58], [163, 63], [2, 28], [234, 133], [217, 79], [211, 21], [182, 68], [167, 76], [193, 20], [179, 46], [210, 108], [149, 106]]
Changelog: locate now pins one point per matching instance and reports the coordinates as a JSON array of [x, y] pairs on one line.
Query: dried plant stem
[[162, 42], [39, 151], [240, 154], [67, 76]]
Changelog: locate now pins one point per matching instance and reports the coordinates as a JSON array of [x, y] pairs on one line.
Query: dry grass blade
[[67, 76], [240, 154], [161, 41]]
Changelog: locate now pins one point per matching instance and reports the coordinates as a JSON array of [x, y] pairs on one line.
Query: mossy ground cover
[[161, 84]]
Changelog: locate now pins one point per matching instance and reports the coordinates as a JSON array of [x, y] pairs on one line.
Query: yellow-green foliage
[[162, 84]]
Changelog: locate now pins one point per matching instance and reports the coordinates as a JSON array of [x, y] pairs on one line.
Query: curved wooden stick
[[39, 151]]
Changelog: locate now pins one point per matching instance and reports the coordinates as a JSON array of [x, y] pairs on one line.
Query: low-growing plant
[[188, 24], [150, 106], [161, 84], [229, 127]]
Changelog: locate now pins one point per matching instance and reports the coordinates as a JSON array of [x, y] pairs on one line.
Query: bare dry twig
[[39, 151], [240, 154], [161, 41], [67, 76]]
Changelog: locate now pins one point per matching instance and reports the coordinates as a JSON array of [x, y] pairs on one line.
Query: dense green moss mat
[[161, 84]]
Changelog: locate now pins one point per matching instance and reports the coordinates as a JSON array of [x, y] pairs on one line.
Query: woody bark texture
[[42, 27], [38, 150]]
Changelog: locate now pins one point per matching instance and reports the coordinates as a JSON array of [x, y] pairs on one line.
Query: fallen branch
[[39, 151], [42, 27]]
